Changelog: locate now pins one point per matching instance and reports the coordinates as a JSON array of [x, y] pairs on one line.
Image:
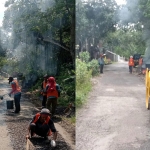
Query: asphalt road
[[115, 116]]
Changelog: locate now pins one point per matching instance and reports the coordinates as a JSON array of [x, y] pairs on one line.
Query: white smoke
[[45, 4]]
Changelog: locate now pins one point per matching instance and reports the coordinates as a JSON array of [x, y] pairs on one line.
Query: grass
[[82, 92], [73, 119]]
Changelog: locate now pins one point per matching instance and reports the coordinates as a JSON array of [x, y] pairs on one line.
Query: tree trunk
[[72, 41]]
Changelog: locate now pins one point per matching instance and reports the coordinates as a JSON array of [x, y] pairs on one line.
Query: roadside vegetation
[[85, 70]]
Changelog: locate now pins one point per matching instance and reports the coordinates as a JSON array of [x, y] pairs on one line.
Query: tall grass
[[85, 70], [83, 84]]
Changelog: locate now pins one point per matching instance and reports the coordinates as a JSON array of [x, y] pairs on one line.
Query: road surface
[[115, 116]]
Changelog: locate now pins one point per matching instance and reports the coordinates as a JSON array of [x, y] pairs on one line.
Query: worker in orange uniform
[[42, 125], [140, 65], [43, 86], [131, 64], [16, 90]]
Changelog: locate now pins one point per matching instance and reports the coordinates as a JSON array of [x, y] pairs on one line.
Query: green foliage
[[95, 19], [73, 119], [84, 56], [27, 21], [3, 61], [83, 84], [66, 79], [126, 43], [94, 67]]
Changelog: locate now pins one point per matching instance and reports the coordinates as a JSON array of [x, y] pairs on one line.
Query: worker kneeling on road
[[42, 125]]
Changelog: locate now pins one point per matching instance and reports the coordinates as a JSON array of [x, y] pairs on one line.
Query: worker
[[140, 65], [16, 90], [43, 86], [42, 125], [101, 63], [131, 64], [53, 92]]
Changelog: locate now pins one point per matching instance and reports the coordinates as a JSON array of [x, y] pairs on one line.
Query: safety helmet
[[45, 111]]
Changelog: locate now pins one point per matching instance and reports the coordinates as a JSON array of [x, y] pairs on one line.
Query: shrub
[[94, 67], [84, 56], [83, 84], [66, 79]]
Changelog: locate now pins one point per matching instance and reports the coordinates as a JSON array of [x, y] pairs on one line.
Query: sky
[[2, 9]]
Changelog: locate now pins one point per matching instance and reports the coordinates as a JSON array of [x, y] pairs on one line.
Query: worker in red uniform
[[131, 64]]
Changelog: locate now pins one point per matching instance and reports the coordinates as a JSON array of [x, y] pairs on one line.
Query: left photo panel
[[37, 74]]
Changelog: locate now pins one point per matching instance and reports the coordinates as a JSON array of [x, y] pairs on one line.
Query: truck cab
[[136, 58]]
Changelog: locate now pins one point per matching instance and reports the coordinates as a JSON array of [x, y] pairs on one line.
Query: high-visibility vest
[[37, 116], [52, 93], [16, 88], [131, 62], [140, 61]]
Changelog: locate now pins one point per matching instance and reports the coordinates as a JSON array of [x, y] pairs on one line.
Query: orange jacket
[[140, 61], [131, 62], [37, 116], [15, 87]]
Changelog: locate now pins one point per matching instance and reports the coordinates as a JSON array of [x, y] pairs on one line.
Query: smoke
[[124, 14], [22, 48], [129, 13], [45, 4]]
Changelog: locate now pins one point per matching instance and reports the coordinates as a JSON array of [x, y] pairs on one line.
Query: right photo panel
[[112, 75]]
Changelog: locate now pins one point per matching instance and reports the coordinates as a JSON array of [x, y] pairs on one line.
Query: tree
[[95, 19], [32, 21]]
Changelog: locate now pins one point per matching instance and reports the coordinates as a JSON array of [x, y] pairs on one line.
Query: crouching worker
[[42, 125]]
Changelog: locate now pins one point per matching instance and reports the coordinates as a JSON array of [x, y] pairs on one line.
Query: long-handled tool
[[1, 97]]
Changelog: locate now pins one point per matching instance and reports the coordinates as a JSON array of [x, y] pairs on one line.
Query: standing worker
[[16, 90], [43, 86], [101, 63], [53, 92], [131, 64], [140, 65]]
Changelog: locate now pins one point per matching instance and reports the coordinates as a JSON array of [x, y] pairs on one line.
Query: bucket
[[10, 104]]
